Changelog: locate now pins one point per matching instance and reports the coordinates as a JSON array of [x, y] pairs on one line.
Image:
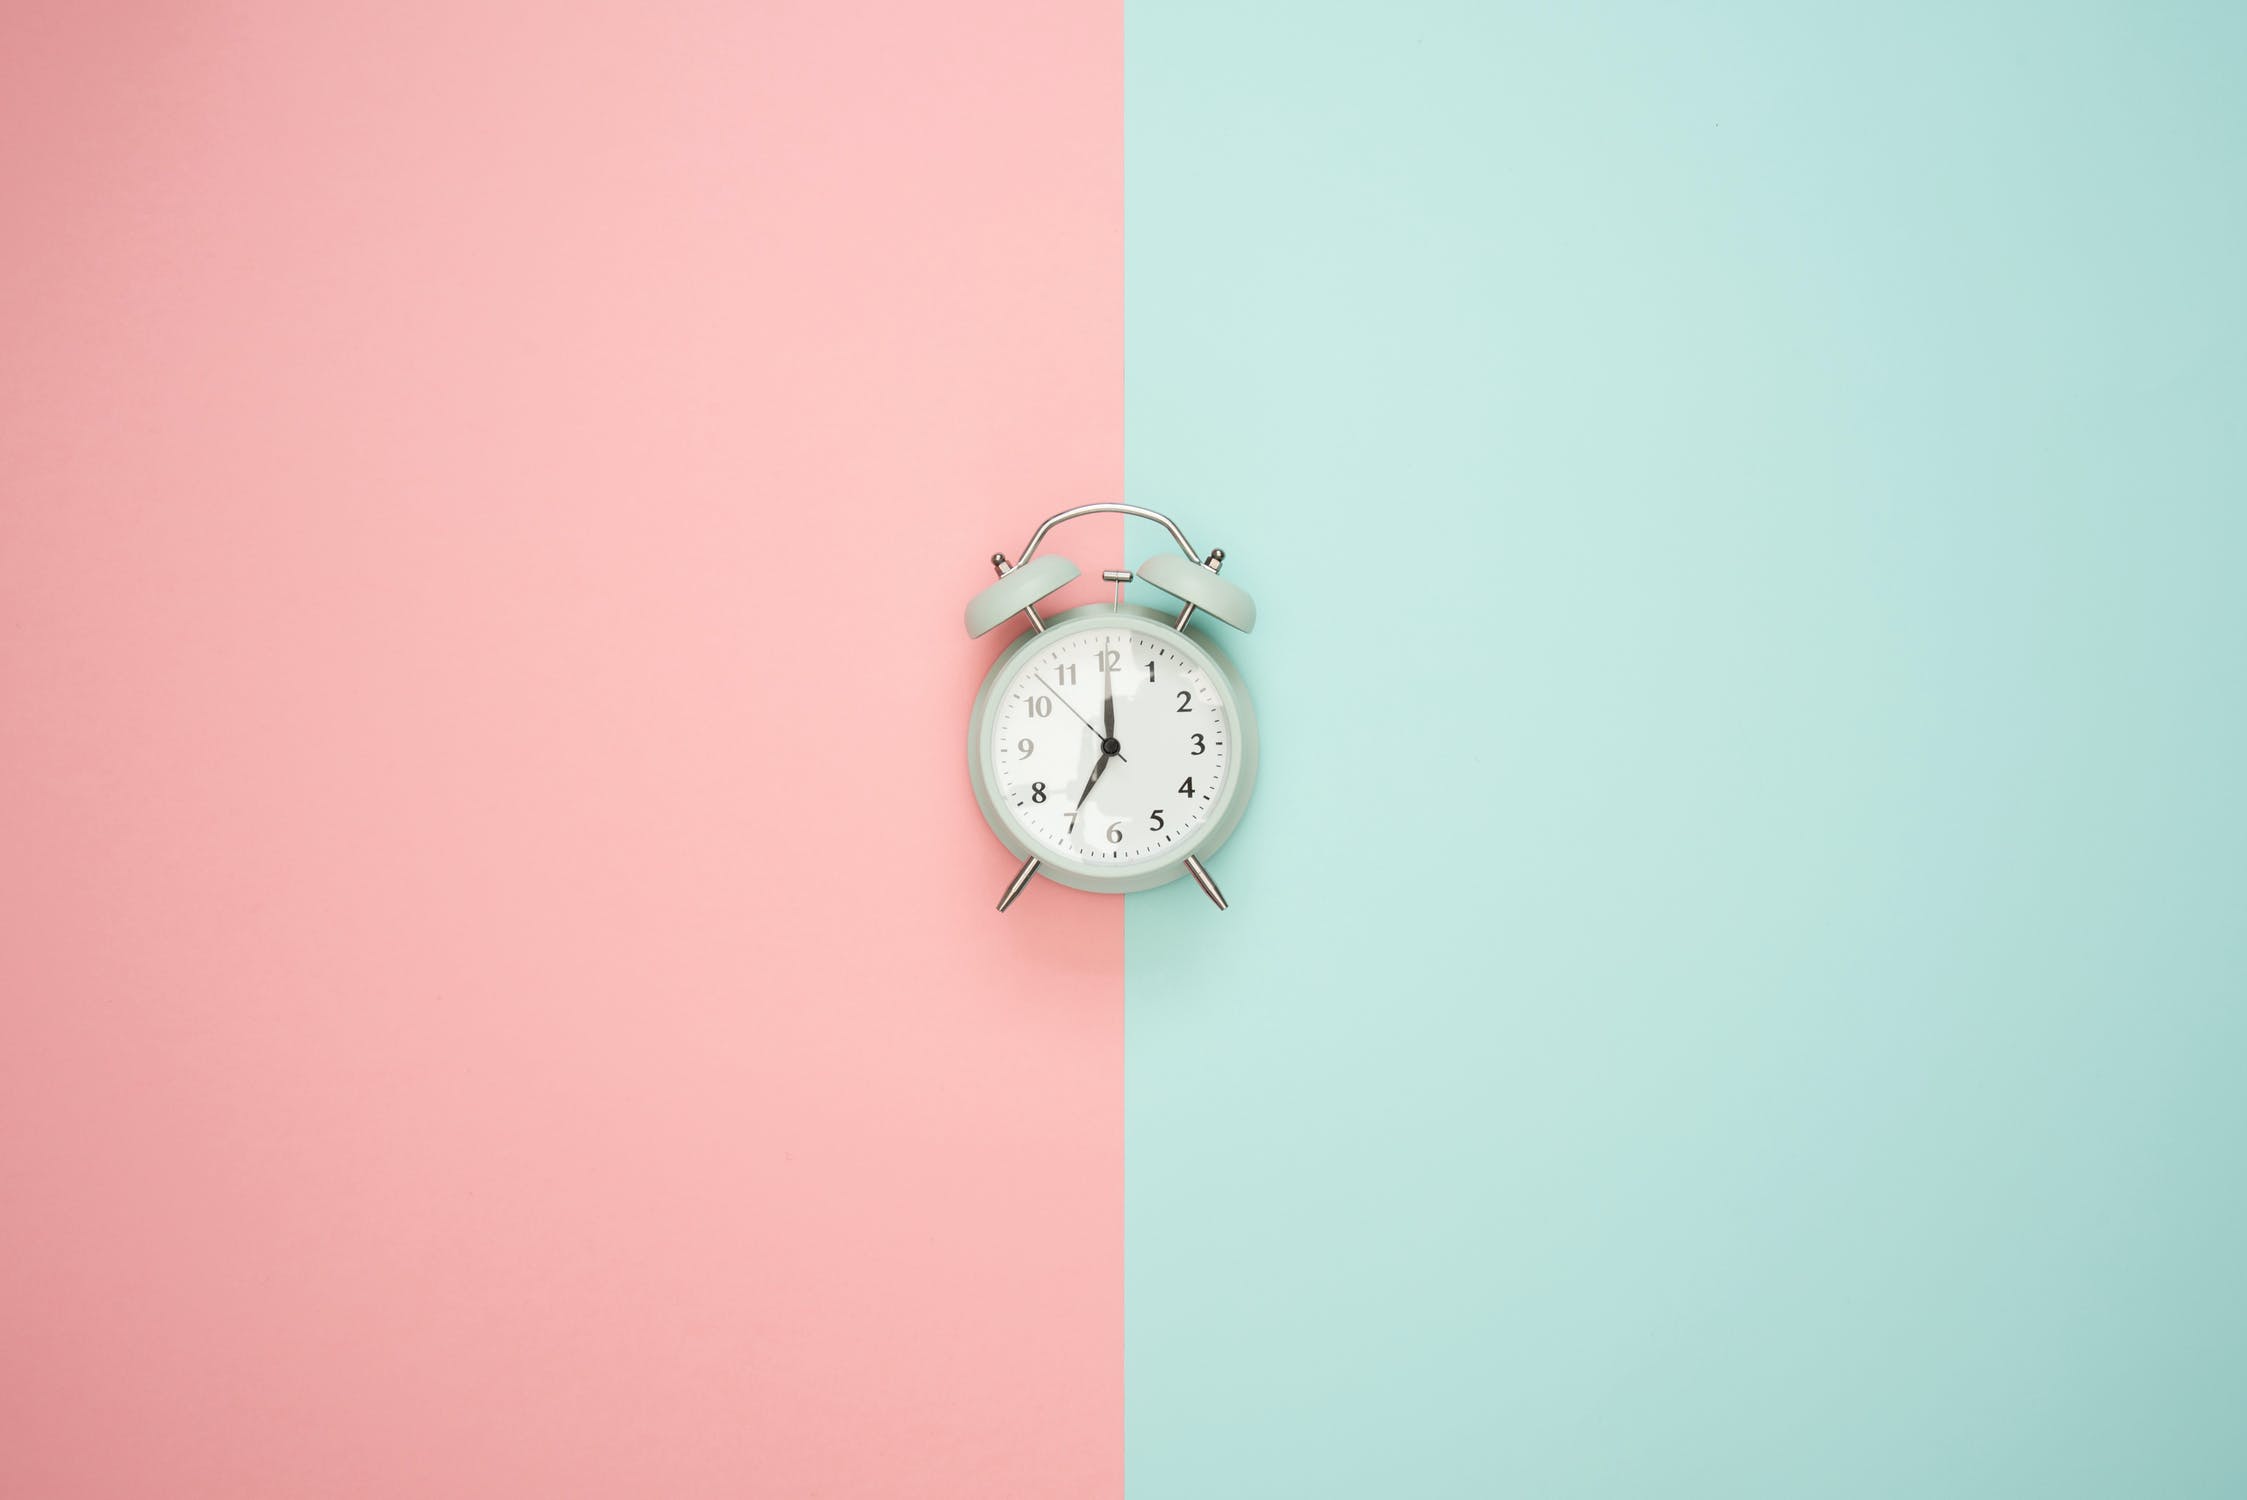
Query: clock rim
[[1232, 802]]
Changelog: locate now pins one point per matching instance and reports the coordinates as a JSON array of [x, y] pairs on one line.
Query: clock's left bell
[[1018, 591]]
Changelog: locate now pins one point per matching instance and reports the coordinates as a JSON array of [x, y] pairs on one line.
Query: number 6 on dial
[[1111, 748]]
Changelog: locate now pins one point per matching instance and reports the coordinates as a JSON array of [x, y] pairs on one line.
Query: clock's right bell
[[1201, 588]]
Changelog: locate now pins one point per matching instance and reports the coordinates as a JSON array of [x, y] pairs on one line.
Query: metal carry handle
[[1112, 508]]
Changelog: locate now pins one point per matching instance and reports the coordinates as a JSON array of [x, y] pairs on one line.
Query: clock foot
[[1022, 878], [1201, 878]]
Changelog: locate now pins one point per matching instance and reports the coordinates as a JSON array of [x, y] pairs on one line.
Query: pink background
[[493, 1000]]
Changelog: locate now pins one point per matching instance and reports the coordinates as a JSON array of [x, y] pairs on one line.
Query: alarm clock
[[1111, 747]]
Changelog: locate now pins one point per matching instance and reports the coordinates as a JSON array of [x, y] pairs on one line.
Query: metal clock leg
[[1201, 878], [1030, 868]]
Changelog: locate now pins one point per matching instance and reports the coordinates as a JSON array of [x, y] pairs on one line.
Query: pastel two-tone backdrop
[[1736, 981]]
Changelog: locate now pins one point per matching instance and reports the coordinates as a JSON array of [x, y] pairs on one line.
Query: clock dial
[[1111, 745]]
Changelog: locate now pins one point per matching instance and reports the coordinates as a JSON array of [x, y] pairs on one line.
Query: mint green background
[[1736, 983]]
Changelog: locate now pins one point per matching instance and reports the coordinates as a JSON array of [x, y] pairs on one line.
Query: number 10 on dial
[[1112, 748]]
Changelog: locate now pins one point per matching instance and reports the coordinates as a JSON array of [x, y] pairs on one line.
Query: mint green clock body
[[1113, 747]]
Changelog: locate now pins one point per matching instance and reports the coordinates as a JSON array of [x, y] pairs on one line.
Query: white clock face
[[1110, 745]]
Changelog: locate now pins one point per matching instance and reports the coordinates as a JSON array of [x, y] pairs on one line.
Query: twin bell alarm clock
[[1111, 748]]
